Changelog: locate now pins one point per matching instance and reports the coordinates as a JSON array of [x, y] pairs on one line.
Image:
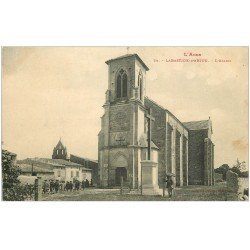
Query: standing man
[[44, 186], [170, 185], [83, 184], [70, 186], [57, 186], [67, 186], [87, 183], [51, 186]]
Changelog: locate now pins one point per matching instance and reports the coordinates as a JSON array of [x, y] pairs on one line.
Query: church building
[[134, 128]]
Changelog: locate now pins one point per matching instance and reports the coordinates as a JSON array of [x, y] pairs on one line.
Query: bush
[[222, 170], [19, 192], [13, 190], [244, 174]]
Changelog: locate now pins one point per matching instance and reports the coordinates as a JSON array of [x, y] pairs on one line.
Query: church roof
[[193, 125], [129, 55], [197, 125], [170, 113], [60, 144], [84, 158]]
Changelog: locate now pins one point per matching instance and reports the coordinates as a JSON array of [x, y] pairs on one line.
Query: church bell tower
[[122, 135], [59, 151]]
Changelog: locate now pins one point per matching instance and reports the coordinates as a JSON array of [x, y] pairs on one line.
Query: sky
[[50, 93]]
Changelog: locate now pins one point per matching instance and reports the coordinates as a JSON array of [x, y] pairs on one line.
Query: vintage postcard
[[125, 123]]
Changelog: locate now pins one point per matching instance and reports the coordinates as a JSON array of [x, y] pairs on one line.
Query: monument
[[149, 166]]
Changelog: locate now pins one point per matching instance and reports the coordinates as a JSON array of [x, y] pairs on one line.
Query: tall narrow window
[[122, 84], [140, 85], [119, 86]]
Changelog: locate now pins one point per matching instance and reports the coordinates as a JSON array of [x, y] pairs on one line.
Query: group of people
[[54, 186]]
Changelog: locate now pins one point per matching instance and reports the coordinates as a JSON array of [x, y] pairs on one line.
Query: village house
[[60, 167], [34, 170], [87, 163], [62, 170]]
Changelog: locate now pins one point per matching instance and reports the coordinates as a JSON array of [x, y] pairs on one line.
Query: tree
[[12, 190], [9, 171], [240, 168], [222, 170]]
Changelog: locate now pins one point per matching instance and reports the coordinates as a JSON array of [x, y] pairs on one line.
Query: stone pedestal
[[150, 178]]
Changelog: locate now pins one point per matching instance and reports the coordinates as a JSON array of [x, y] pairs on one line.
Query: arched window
[[122, 84], [140, 85]]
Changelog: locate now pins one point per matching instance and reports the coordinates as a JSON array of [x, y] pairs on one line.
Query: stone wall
[[185, 172], [169, 148], [196, 156], [208, 162], [177, 159]]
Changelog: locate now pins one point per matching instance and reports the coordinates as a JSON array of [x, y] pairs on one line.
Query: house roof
[[51, 163], [197, 125], [60, 162], [27, 168], [129, 55]]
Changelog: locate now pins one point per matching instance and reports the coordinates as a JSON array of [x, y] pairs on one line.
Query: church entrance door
[[120, 172]]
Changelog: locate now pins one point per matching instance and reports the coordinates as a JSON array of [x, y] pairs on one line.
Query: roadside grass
[[190, 193]]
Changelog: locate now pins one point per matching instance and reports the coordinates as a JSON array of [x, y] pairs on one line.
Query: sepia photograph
[[125, 123]]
